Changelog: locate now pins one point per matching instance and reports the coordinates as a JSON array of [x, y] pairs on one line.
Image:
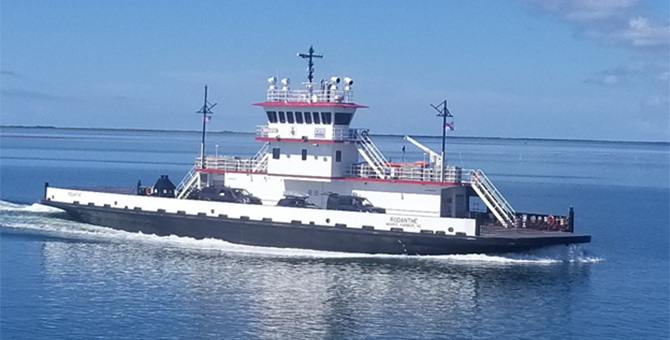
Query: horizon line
[[51, 127]]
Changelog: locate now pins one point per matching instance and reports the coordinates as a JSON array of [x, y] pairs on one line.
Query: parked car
[[226, 194], [296, 200], [352, 203]]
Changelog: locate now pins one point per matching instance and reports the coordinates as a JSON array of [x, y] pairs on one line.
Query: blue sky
[[582, 69]]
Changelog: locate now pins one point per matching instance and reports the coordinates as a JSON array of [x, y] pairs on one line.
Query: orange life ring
[[149, 191], [551, 220]]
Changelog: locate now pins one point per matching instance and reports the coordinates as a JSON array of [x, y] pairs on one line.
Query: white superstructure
[[309, 146]]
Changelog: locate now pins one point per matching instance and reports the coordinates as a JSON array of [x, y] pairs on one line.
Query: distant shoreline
[[46, 127]]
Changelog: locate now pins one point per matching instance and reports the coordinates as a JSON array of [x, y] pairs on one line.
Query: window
[[308, 118], [272, 116], [317, 120], [338, 156], [326, 118], [343, 118], [289, 117], [304, 154], [298, 117], [282, 117], [275, 153]]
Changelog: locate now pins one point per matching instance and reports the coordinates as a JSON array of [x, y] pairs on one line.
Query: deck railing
[[313, 96], [232, 163], [413, 172]]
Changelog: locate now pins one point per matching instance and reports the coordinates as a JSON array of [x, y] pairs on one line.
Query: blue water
[[66, 280]]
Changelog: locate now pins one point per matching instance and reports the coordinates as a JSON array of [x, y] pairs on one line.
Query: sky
[[566, 69]]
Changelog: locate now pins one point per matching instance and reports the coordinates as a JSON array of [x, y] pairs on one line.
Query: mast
[[310, 64], [207, 113], [443, 112]]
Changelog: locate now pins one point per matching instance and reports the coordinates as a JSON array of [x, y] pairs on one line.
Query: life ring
[[551, 220], [149, 191]]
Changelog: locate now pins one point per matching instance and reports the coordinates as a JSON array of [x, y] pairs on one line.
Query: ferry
[[317, 183]]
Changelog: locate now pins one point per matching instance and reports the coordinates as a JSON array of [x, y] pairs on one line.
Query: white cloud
[[618, 22]]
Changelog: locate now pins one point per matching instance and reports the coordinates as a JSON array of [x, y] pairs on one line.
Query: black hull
[[302, 236]]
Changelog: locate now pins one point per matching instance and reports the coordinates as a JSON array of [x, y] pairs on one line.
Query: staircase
[[187, 184], [493, 199], [261, 159], [371, 154]]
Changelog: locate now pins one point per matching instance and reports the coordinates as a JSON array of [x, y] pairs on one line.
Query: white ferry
[[311, 185]]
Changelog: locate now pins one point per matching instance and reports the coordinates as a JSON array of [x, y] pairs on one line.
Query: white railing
[[231, 163], [493, 199], [412, 172], [371, 154], [313, 96], [187, 183], [261, 158]]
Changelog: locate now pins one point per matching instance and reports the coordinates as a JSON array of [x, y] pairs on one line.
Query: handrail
[[413, 172], [186, 184], [371, 153], [310, 96], [493, 198]]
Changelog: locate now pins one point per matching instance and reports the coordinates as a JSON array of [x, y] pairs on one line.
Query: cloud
[[25, 94], [613, 22], [638, 70], [10, 74]]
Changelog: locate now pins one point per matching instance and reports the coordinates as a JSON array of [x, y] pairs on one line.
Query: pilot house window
[[326, 118], [317, 120], [343, 118], [282, 117], [289, 117], [272, 116], [298, 117], [304, 154]]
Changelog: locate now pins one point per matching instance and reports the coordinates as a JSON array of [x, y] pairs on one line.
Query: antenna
[[207, 113], [443, 112], [310, 63]]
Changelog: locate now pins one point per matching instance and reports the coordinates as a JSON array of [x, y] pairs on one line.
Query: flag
[[449, 126]]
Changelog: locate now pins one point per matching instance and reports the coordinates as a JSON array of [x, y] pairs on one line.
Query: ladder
[[187, 184], [493, 199], [372, 155], [261, 158]]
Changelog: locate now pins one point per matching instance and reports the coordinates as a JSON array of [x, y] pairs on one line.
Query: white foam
[[37, 219], [35, 207]]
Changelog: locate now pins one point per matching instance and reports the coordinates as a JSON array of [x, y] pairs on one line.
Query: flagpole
[[206, 111], [443, 112], [204, 123]]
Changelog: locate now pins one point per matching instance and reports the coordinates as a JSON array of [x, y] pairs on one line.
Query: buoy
[[551, 220], [149, 191]]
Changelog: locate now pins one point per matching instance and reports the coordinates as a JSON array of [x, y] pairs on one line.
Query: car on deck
[[226, 194], [352, 203], [296, 200]]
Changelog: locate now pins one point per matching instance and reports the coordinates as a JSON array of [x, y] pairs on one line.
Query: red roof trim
[[318, 104]]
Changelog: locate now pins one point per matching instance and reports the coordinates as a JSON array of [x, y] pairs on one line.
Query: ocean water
[[66, 280]]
